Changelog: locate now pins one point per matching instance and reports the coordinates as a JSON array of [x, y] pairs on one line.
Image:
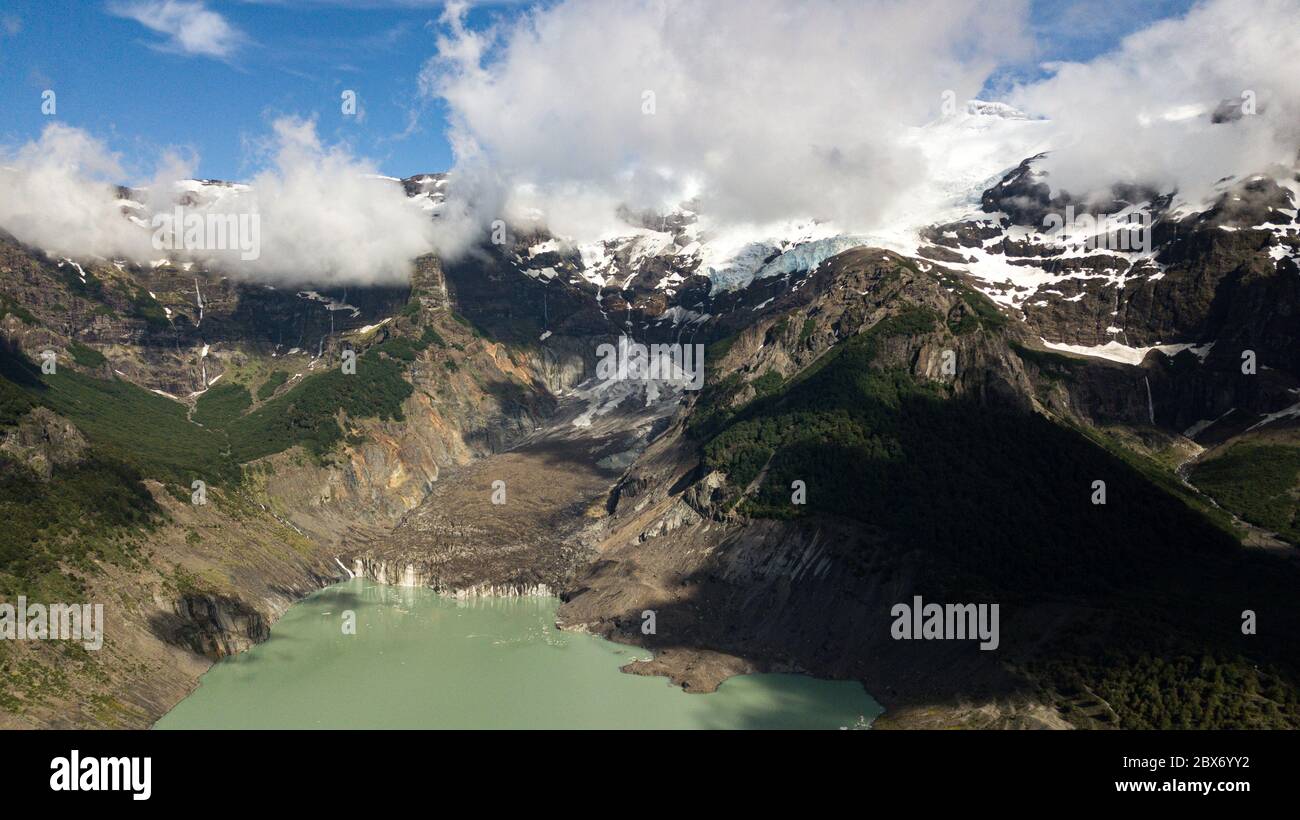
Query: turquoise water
[[421, 660]]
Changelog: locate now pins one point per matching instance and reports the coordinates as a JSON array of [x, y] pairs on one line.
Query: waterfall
[[1151, 407]]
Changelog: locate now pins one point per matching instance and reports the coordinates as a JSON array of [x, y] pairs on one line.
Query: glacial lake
[[420, 660]]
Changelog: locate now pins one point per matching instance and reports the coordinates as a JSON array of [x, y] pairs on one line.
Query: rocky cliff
[[946, 411]]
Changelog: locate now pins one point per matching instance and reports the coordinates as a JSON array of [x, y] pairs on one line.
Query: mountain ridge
[[477, 366]]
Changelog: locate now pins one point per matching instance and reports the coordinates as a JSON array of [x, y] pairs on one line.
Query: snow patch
[[1116, 352]]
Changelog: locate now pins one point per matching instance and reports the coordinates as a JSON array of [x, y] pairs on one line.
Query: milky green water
[[421, 660]]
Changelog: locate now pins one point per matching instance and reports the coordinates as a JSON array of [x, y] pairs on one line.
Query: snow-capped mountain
[[967, 153], [987, 216], [489, 359]]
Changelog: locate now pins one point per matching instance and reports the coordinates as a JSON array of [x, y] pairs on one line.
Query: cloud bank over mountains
[[1143, 113], [760, 110], [755, 112], [324, 216], [763, 112]]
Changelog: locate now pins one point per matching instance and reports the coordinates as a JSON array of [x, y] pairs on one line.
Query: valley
[[948, 429]]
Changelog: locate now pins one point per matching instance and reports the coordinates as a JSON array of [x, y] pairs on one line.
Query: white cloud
[[56, 193], [763, 109], [324, 216], [763, 112], [191, 27], [1142, 113], [770, 112], [327, 218]]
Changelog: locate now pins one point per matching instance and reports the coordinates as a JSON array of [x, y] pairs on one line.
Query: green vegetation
[[82, 513], [431, 337], [984, 314], [9, 306], [86, 356], [222, 405], [144, 306], [467, 323], [140, 428], [272, 384], [966, 323], [1187, 689], [990, 504], [91, 288], [152, 435], [718, 350], [1163, 477], [58, 531], [404, 349], [55, 530], [714, 407], [1258, 482], [806, 332], [14, 403], [307, 414], [1055, 366], [146, 431], [766, 384]]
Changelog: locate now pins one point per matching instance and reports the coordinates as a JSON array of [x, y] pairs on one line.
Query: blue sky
[[215, 89]]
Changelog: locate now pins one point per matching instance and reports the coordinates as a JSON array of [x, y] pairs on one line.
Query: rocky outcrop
[[209, 581], [215, 626], [736, 596], [489, 485], [730, 594], [430, 575], [43, 440]]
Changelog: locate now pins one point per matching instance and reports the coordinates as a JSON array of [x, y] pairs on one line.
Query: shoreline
[[657, 664]]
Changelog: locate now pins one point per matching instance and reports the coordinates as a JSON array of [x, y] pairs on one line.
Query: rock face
[[217, 626], [732, 594], [510, 470], [204, 582], [1219, 282], [515, 522], [43, 440]]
